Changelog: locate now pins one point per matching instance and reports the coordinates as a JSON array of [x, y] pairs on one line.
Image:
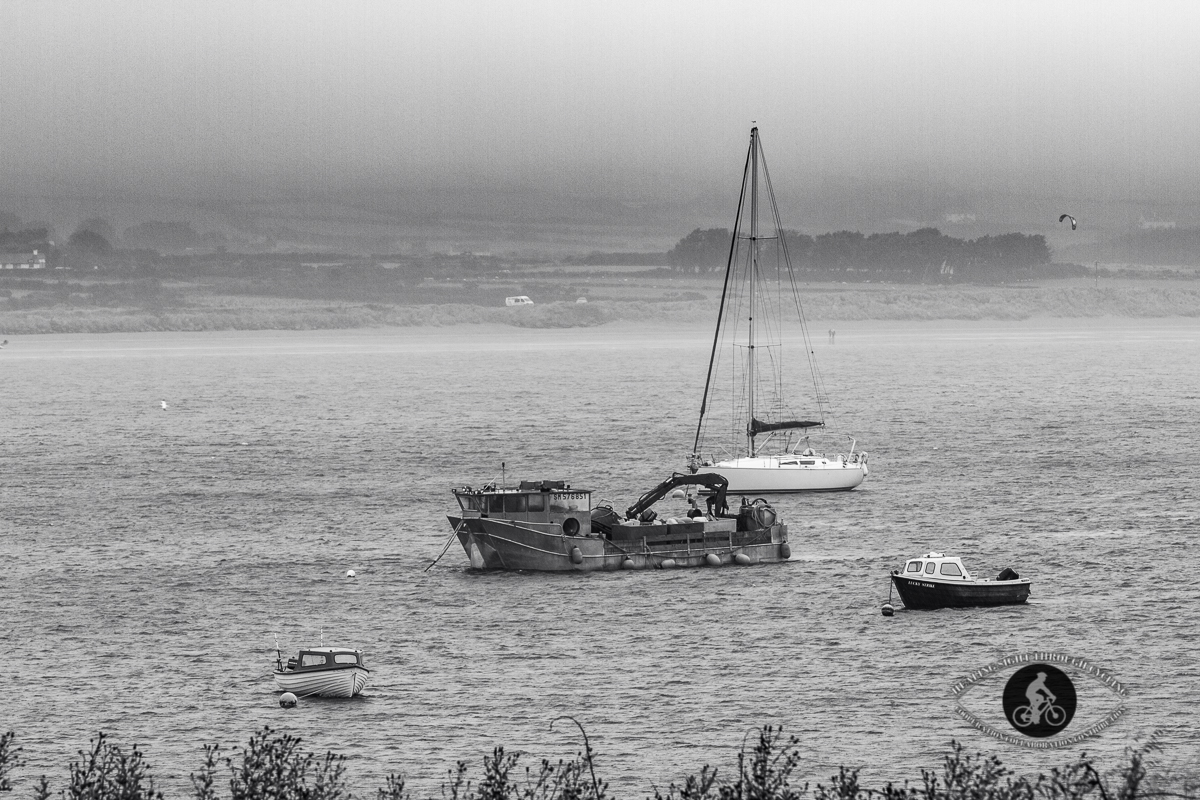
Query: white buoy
[[742, 559], [888, 609], [713, 560], [667, 563], [628, 564], [287, 700], [576, 555], [677, 494], [350, 574]]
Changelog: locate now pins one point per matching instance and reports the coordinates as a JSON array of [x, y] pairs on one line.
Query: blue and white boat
[[936, 580]]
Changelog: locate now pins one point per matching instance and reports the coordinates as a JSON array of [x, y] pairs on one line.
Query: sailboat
[[755, 440]]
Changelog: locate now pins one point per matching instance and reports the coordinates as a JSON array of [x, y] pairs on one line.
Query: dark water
[[151, 556]]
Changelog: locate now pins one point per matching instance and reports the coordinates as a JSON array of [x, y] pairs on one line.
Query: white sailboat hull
[[341, 682], [789, 474]]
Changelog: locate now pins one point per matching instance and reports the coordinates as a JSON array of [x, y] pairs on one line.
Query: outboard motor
[[1007, 574]]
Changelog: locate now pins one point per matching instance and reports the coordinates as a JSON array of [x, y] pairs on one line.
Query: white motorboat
[[754, 439], [322, 671]]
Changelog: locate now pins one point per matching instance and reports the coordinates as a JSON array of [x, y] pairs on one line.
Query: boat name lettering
[[570, 495], [926, 585]]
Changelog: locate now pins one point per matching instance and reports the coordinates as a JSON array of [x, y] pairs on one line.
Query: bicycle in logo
[[1053, 714]]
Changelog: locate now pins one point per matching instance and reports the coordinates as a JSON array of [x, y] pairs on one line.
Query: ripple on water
[[151, 556]]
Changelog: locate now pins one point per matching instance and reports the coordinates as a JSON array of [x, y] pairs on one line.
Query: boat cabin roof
[[937, 564], [525, 487], [321, 657], [531, 501]]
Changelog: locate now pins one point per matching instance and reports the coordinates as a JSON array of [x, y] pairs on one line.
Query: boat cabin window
[[573, 501], [514, 503], [495, 503], [470, 502], [537, 502], [930, 567], [950, 569], [312, 660], [345, 658], [914, 566]]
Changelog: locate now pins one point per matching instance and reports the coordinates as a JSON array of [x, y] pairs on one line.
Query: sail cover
[[757, 426]]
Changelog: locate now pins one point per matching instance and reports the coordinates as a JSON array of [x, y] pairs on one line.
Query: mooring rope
[[449, 542]]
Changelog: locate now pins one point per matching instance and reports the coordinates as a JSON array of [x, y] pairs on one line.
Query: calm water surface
[[151, 556]]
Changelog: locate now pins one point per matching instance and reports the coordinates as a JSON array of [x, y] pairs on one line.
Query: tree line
[[922, 255]]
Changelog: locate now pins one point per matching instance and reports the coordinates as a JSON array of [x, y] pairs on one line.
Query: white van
[[519, 300]]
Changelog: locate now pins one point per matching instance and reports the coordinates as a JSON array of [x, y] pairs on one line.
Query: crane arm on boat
[[711, 480]]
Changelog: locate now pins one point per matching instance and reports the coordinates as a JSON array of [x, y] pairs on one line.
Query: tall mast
[[753, 275], [729, 263]]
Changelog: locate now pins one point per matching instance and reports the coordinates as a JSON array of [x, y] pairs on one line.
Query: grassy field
[[71, 305]]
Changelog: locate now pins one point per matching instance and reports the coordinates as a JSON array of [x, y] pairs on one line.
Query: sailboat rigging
[[760, 444]]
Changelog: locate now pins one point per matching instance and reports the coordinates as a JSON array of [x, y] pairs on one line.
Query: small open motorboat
[[322, 671], [936, 580]]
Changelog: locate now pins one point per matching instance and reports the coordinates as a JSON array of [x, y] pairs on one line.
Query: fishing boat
[[754, 438], [551, 526], [936, 580], [322, 671]]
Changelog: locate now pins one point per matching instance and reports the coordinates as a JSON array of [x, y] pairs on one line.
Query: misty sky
[[874, 115]]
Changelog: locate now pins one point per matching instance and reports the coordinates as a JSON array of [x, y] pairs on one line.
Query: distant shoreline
[[823, 305]]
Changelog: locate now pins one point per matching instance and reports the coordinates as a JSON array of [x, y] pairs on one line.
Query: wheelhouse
[[326, 658], [936, 565], [535, 502]]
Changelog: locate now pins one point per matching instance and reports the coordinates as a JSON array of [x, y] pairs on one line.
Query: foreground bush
[[273, 766]]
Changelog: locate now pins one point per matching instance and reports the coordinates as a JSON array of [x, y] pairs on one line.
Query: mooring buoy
[[287, 700], [888, 609]]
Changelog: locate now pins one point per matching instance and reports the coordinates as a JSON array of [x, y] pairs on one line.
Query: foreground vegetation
[[273, 766]]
